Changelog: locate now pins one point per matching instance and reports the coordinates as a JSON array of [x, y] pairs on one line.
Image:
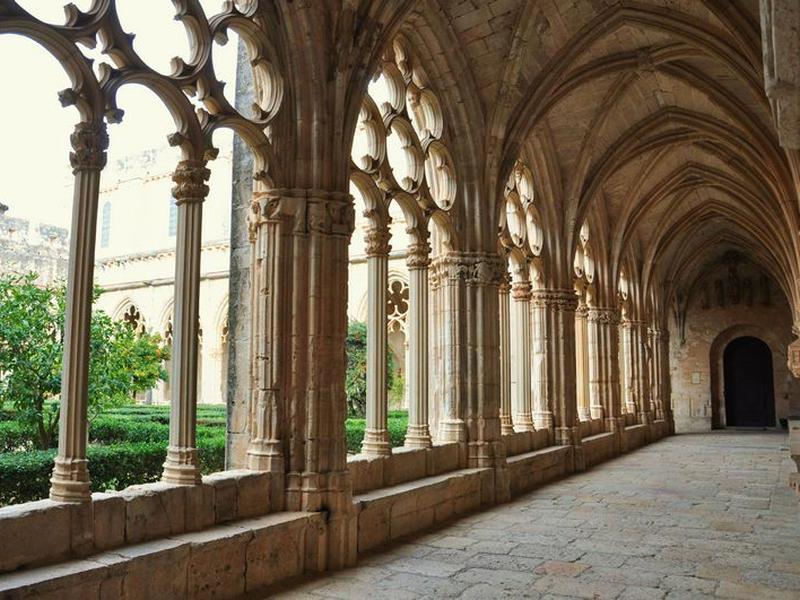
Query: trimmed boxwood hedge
[[128, 446], [25, 476], [397, 424]]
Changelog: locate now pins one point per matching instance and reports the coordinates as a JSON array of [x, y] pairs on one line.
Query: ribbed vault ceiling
[[651, 119]]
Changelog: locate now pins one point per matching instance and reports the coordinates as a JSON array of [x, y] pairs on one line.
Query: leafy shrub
[[25, 476], [356, 374], [15, 437]]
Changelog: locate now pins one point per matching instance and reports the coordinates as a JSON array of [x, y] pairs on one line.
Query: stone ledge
[[222, 562], [42, 532], [404, 464], [530, 470], [521, 442], [598, 448], [387, 514]]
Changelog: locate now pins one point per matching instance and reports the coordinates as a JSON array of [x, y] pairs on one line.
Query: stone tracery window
[[133, 318], [402, 174], [192, 92], [521, 238], [397, 305]]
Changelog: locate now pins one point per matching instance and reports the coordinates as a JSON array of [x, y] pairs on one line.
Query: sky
[[35, 176]]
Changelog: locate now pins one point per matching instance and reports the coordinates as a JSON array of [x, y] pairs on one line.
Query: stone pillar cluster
[[604, 376]]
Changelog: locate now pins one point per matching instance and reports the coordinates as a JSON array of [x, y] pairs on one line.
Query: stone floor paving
[[692, 516]]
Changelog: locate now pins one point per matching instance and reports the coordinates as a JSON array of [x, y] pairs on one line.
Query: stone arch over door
[[717, 366]]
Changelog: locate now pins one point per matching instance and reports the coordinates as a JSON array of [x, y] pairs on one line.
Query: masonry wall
[[724, 306]]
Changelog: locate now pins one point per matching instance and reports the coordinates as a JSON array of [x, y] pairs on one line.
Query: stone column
[[436, 382], [630, 364], [481, 370], [70, 481], [506, 424], [543, 410], [582, 360], [418, 261], [665, 380], [271, 222], [453, 274], [521, 347], [376, 436], [654, 372], [604, 379], [317, 478], [556, 308], [190, 191], [642, 384]]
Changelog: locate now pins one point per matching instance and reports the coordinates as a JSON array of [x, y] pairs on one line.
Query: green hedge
[[397, 424], [25, 476]]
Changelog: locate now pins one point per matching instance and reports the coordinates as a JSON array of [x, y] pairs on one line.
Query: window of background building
[[105, 226], [173, 217]]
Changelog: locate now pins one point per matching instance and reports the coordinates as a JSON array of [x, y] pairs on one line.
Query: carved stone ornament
[[521, 290], [608, 316], [376, 241], [418, 256], [190, 177], [559, 300], [89, 145]]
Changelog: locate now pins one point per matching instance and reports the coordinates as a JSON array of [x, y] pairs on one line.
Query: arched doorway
[[749, 392]]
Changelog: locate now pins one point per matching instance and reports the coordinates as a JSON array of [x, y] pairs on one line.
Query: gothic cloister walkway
[[692, 516]]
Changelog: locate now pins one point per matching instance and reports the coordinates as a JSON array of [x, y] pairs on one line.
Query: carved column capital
[[376, 240], [521, 291], [190, 178], [604, 315], [559, 300], [89, 144], [418, 256]]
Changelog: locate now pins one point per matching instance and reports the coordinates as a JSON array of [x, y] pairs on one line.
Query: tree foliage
[[356, 377], [122, 361]]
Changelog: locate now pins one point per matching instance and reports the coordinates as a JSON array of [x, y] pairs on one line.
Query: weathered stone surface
[[34, 532], [109, 521], [153, 510], [656, 524]]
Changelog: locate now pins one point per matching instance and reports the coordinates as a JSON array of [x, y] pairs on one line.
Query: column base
[[524, 422], [264, 456], [70, 481], [452, 431], [181, 466], [567, 436], [543, 420], [376, 443], [596, 412], [506, 425], [418, 436]]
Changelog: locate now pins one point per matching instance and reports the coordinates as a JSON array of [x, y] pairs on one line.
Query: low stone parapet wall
[[225, 561], [387, 514], [404, 464], [42, 532]]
